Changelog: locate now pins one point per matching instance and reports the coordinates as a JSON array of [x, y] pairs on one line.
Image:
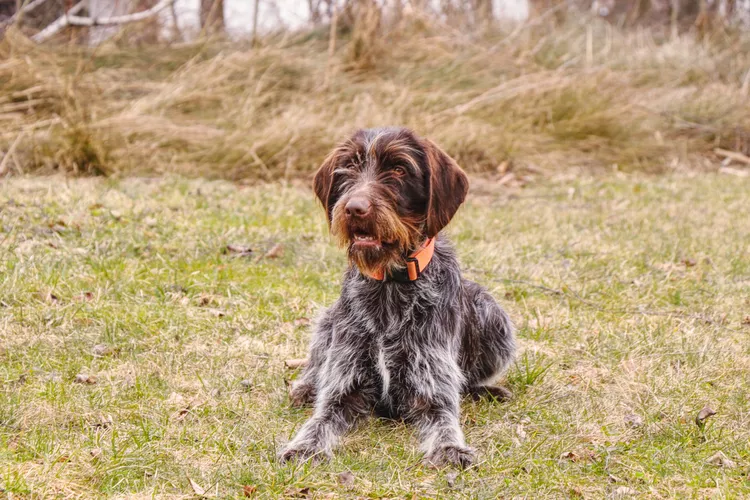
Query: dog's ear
[[323, 181], [448, 186]]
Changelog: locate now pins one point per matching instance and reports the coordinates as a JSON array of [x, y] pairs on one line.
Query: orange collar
[[415, 264]]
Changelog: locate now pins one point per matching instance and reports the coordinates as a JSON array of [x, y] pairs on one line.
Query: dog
[[409, 336]]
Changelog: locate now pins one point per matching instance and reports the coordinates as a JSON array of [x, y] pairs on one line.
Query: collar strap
[[416, 263]]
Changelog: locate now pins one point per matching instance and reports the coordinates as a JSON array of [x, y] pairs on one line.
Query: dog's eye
[[399, 171]]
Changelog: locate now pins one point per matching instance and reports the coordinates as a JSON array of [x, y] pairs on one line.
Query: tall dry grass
[[543, 97]]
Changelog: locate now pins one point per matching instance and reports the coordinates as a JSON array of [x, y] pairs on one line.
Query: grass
[[530, 100], [630, 294]]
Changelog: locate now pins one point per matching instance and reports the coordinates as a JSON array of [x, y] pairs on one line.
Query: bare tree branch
[[73, 20], [59, 24], [26, 8], [255, 21]]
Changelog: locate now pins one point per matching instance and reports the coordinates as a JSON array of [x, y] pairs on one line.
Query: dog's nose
[[357, 207]]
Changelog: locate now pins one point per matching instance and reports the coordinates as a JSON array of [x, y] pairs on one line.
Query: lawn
[[140, 358]]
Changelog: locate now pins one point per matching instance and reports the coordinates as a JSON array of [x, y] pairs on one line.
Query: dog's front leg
[[303, 390], [342, 398], [435, 409]]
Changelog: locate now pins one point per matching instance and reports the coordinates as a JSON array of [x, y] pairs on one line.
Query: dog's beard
[[378, 243]]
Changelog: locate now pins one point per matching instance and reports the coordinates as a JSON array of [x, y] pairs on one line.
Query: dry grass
[[631, 295], [531, 99]]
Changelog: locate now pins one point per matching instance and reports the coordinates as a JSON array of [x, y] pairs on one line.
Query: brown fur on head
[[385, 191]]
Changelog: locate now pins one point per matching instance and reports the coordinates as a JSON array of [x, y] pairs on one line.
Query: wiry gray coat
[[406, 350], [402, 349]]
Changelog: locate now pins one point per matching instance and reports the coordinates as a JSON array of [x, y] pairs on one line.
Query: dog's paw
[[454, 456], [495, 392], [303, 453], [301, 394]]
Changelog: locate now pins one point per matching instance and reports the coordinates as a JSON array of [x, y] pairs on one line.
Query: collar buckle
[[412, 268]]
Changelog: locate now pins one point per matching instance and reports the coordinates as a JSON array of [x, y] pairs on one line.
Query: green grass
[[631, 295]]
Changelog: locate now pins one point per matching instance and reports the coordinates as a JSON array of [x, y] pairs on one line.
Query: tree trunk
[[212, 16]]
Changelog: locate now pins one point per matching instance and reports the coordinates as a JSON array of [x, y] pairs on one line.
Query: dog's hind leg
[[488, 344]]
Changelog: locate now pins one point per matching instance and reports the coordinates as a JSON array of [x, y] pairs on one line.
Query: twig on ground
[[296, 363], [733, 155], [11, 150]]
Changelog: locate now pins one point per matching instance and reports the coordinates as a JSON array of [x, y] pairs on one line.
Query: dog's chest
[[393, 355], [392, 319]]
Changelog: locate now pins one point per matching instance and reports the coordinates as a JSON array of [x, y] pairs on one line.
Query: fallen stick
[[73, 20], [733, 155], [7, 156], [296, 363]]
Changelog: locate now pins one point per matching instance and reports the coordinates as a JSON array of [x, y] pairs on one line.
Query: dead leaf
[[520, 432], [275, 252], [175, 399], [50, 297], [246, 384], [217, 312], [346, 478], [293, 364], [249, 490], [197, 489], [104, 422], [746, 320], [85, 297], [689, 262], [58, 226], [306, 321], [297, 492], [150, 221], [205, 299], [623, 491], [583, 455], [450, 478], [720, 460], [84, 378], [568, 455], [703, 415], [184, 412], [238, 250], [95, 453], [633, 420], [101, 350], [63, 458], [505, 179]]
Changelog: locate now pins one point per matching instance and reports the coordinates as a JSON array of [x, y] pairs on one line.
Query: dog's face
[[385, 191]]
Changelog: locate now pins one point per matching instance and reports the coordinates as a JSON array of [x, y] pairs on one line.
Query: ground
[[140, 358]]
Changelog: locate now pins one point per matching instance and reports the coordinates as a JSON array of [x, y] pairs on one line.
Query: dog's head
[[385, 191]]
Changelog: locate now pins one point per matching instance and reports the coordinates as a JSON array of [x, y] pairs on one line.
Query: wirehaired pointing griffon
[[408, 336]]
